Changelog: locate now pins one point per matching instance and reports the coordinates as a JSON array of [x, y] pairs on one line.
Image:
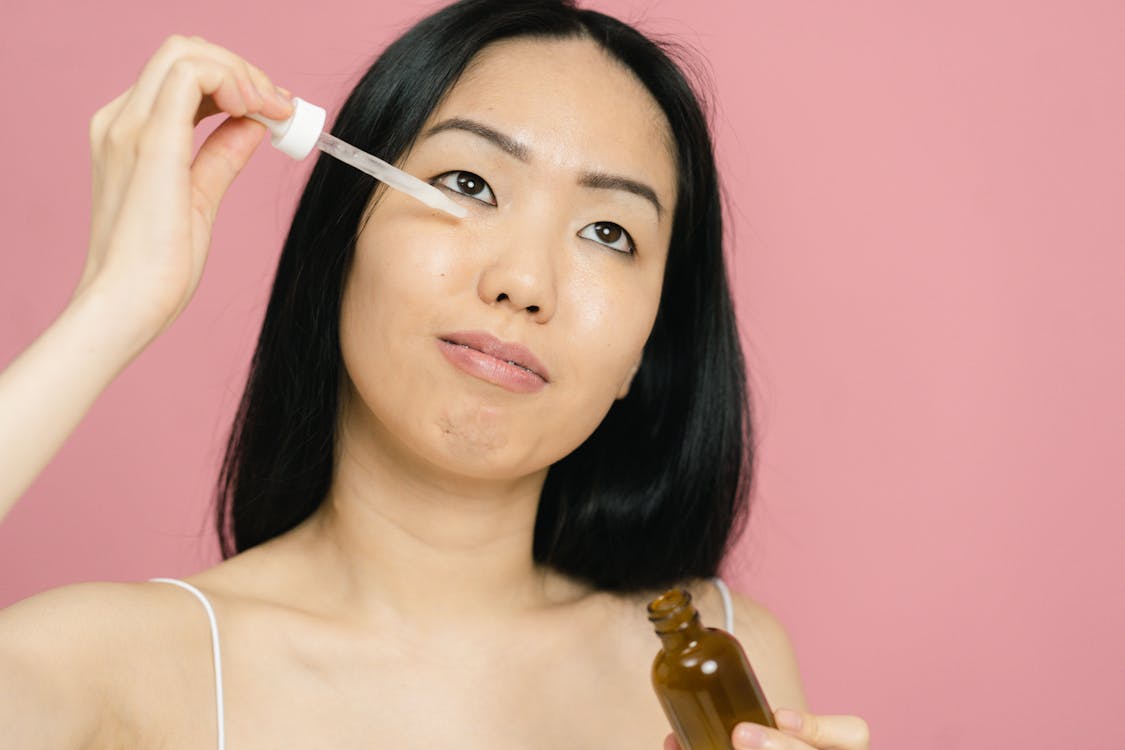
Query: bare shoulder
[[81, 618], [75, 653], [770, 651], [762, 636]]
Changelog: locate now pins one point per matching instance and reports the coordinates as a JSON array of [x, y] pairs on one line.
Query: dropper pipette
[[304, 131]]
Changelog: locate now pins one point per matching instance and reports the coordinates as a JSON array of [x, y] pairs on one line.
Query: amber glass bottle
[[702, 677]]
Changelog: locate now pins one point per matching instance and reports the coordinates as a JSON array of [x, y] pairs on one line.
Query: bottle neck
[[683, 637], [675, 620]]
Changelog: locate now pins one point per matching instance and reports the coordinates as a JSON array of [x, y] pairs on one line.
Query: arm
[[47, 390], [154, 206], [52, 694]]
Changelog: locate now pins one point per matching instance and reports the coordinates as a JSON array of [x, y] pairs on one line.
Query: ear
[[624, 390]]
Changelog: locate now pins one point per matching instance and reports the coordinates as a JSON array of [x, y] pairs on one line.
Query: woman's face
[[564, 162]]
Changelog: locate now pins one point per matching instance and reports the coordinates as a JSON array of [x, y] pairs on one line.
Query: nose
[[520, 275]]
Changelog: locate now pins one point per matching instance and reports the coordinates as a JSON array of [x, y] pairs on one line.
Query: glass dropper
[[304, 131]]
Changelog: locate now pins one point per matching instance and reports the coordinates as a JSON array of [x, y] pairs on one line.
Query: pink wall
[[929, 216]]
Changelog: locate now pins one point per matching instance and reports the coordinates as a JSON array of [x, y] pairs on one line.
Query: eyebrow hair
[[505, 143], [509, 145], [613, 182]]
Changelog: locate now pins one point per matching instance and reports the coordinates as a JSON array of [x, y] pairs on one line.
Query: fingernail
[[748, 735], [282, 95], [787, 719]]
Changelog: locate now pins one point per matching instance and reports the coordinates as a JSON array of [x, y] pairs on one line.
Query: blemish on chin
[[471, 434]]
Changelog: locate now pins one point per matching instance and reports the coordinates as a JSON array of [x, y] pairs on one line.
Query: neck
[[410, 544]]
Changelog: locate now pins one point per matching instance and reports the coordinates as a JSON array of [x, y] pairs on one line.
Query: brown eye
[[609, 234], [468, 184]]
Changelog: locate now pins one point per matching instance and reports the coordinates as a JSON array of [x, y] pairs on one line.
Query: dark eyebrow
[[613, 182], [509, 145], [498, 139]]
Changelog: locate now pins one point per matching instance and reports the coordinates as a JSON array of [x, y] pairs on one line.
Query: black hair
[[658, 492]]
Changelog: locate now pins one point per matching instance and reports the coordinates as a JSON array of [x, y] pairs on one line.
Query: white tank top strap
[[728, 605], [214, 651]]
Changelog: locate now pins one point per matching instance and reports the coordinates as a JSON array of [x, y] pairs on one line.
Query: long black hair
[[658, 492]]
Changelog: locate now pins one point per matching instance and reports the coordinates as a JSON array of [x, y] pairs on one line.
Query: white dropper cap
[[304, 131], [297, 136]]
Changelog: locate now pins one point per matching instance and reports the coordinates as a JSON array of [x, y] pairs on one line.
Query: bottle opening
[[667, 603], [671, 611]]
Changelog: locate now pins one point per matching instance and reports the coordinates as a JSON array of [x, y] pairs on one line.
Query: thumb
[[825, 732], [221, 157]]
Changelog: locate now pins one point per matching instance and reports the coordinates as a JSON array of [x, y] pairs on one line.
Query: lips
[[503, 363]]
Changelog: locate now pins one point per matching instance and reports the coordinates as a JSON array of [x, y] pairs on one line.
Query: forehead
[[571, 104]]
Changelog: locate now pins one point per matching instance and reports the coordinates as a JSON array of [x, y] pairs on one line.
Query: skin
[[407, 612]]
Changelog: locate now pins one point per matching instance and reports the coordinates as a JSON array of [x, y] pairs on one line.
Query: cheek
[[398, 272], [407, 256], [612, 315], [406, 268]]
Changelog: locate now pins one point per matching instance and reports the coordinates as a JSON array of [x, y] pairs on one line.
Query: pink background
[[927, 213]]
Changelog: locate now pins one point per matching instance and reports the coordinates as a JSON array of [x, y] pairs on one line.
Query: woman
[[468, 452]]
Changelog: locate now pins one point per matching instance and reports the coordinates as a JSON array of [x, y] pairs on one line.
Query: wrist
[[107, 319]]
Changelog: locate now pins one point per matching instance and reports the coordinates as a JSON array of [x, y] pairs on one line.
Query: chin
[[485, 443]]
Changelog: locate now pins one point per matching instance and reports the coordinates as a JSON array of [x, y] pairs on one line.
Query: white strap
[[214, 651], [728, 605]]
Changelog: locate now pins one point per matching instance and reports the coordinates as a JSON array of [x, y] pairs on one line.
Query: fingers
[[186, 80], [827, 732], [163, 141], [100, 184], [747, 736], [670, 743], [248, 86], [805, 731], [169, 127], [141, 142], [104, 116], [244, 88], [221, 157]]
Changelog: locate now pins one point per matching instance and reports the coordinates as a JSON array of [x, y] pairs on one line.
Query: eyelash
[[464, 176]]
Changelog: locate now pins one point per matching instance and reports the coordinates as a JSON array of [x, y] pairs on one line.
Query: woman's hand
[[799, 731], [153, 208], [153, 205]]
